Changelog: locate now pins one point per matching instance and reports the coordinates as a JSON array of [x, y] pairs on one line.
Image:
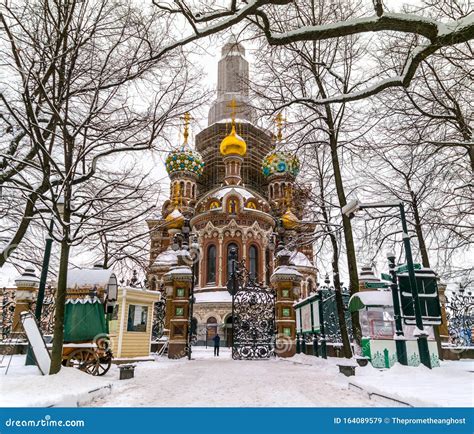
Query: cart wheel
[[104, 365], [85, 360]]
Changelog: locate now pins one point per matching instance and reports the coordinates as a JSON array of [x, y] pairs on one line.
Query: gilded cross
[[186, 118], [279, 120], [233, 109]]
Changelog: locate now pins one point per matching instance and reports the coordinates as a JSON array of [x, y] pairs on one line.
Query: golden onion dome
[[233, 144], [174, 220], [289, 220]]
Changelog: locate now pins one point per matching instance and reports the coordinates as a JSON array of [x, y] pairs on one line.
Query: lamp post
[[349, 210], [324, 353], [30, 360], [193, 247], [400, 342]]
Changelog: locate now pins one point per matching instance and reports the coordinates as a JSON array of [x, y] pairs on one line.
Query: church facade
[[234, 190]]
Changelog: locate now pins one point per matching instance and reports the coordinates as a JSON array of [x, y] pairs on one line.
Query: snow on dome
[[280, 163], [300, 260], [167, 258]]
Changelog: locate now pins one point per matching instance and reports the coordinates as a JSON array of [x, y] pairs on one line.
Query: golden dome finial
[[186, 118], [176, 200], [233, 111], [289, 219], [175, 220], [233, 144], [279, 120]]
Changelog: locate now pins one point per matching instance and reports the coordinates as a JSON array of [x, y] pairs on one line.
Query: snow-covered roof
[[220, 192], [166, 258], [246, 194], [90, 277], [300, 260], [222, 296], [370, 298], [285, 270]]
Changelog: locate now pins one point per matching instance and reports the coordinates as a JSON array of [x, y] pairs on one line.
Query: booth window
[[137, 318]]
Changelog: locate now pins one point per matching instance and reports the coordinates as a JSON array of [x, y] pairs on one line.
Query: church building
[[234, 189]]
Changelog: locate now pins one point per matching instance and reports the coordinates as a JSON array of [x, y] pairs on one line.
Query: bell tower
[[232, 84]]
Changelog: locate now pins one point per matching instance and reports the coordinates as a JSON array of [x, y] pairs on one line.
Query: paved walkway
[[211, 381]]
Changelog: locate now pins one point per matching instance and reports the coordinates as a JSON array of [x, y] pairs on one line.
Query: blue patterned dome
[[280, 163], [184, 160]]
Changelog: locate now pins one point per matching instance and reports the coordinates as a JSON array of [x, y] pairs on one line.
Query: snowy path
[[207, 381]]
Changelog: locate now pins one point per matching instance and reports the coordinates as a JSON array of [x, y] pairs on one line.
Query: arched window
[[194, 191], [229, 257], [253, 262], [211, 264], [310, 286]]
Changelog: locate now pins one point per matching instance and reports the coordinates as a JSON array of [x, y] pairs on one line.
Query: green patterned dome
[[280, 163], [184, 160]]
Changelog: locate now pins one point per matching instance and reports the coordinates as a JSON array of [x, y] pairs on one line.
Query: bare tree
[[324, 210], [299, 75], [81, 90], [432, 34]]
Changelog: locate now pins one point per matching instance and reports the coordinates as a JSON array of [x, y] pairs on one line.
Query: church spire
[[232, 83]]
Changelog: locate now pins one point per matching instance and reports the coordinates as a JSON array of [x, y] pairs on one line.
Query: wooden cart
[[89, 357]]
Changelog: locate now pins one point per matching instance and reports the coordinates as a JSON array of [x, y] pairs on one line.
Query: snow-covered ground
[[24, 386], [208, 381]]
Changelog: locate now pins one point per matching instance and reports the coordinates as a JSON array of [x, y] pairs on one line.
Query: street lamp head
[[60, 205], [351, 208], [28, 279], [391, 255]]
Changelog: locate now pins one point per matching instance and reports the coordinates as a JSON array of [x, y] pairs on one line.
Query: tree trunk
[[346, 345], [349, 239], [58, 334]]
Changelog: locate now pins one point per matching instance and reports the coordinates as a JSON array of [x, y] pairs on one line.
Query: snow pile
[[24, 386], [451, 385]]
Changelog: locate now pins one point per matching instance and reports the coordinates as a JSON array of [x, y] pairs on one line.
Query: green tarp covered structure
[[361, 300], [84, 320]]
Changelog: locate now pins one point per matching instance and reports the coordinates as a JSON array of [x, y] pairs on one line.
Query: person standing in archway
[[217, 342]]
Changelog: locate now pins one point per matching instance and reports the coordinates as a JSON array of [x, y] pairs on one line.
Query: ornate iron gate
[[253, 319]]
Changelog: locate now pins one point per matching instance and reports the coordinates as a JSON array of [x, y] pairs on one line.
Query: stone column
[[178, 284], [286, 282], [25, 294]]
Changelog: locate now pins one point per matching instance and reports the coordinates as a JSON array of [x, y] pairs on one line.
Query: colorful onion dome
[[280, 163], [184, 160], [233, 144]]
